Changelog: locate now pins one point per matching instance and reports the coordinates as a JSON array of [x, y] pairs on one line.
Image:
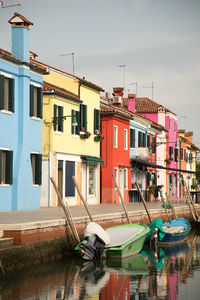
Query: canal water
[[170, 273]]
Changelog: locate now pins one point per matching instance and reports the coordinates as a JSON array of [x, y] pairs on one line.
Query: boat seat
[[175, 229], [119, 235]]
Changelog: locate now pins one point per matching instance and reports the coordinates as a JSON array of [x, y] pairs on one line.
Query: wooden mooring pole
[[144, 202], [82, 198], [122, 200], [68, 216]]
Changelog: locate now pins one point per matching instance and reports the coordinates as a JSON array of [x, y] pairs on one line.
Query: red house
[[115, 151]]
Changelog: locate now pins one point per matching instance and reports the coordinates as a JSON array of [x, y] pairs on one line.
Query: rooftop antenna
[[136, 83], [149, 87], [123, 66], [72, 54], [10, 5]]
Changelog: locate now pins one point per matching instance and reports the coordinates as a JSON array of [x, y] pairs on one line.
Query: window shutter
[[9, 167], [96, 119], [69, 185], [60, 120], [144, 140], [31, 99], [0, 165], [39, 103], [139, 138], [85, 117], [148, 140], [78, 122], [73, 114], [55, 107], [1, 92], [176, 154], [154, 145], [11, 94], [38, 169]]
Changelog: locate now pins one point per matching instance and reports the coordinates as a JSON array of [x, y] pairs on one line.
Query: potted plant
[[152, 189], [193, 186], [98, 136], [167, 160], [84, 134]]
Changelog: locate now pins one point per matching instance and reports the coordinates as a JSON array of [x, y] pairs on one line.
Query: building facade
[[20, 122]]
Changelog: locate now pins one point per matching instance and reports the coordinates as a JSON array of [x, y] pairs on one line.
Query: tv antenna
[[72, 54], [124, 67], [150, 87], [134, 83]]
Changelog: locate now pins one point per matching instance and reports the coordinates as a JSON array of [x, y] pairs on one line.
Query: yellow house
[[71, 138]]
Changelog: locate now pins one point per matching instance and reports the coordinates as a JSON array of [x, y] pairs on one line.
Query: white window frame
[[116, 174], [115, 136], [125, 139], [95, 179], [126, 179]]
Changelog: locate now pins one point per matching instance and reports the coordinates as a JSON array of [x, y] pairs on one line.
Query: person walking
[[157, 191]]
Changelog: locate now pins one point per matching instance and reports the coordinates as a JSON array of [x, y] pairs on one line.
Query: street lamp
[[74, 120]]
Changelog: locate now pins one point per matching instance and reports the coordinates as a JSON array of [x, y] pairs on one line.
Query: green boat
[[114, 242]]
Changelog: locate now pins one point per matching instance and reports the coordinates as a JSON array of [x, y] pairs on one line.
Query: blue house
[[139, 143], [20, 122]]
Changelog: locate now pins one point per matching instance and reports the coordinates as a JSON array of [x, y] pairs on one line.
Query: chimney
[[20, 37], [117, 96], [131, 102]]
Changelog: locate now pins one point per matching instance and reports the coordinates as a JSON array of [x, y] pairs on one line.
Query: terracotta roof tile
[[62, 92], [9, 55], [21, 17], [86, 82]]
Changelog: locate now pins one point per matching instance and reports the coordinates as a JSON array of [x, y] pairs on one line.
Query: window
[[96, 121], [116, 177], [133, 179], [75, 128], [125, 179], [125, 139], [6, 166], [148, 140], [143, 139], [58, 118], [35, 101], [140, 141], [174, 126], [169, 123], [153, 145], [83, 117], [69, 184], [181, 153], [92, 180], [132, 138], [171, 150], [36, 163], [6, 93], [115, 137], [176, 154]]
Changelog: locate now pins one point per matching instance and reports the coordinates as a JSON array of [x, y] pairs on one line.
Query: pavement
[[51, 213]]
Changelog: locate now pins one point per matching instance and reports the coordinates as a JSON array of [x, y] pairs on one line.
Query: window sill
[[7, 112], [58, 132], [35, 118], [4, 184]]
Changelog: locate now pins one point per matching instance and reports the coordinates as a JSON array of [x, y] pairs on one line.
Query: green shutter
[[31, 100], [38, 169], [11, 94], [148, 140], [54, 116], [0, 165], [1, 92], [39, 103], [85, 117], [73, 114], [9, 167], [96, 119], [154, 145], [60, 113], [78, 122]]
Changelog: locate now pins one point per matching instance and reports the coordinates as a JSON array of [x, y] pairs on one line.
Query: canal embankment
[[37, 236]]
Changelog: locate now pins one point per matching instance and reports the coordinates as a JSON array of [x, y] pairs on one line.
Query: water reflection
[[169, 273]]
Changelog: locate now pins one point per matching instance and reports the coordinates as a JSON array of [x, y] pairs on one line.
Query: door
[[60, 178]]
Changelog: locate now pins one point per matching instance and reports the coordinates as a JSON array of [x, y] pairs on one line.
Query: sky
[[158, 41]]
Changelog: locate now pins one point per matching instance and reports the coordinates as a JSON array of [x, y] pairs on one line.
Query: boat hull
[[130, 247], [176, 238]]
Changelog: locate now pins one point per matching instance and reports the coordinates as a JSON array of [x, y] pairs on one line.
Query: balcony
[[142, 153]]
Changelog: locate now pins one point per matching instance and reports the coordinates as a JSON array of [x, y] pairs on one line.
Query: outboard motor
[[96, 240]]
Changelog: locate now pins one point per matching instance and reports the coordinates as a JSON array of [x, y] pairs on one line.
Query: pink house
[[163, 116]]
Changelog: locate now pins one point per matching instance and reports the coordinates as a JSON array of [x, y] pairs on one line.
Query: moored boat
[[171, 232], [114, 242]]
